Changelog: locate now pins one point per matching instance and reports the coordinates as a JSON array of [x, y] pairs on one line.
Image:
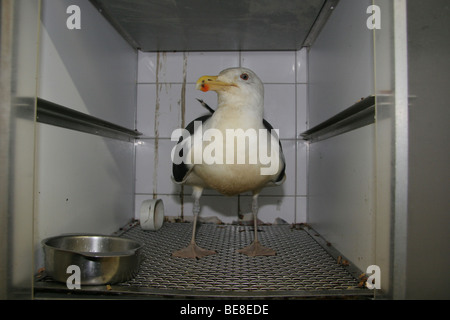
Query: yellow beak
[[207, 83]]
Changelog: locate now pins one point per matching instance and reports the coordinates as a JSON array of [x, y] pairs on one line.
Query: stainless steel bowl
[[101, 259]]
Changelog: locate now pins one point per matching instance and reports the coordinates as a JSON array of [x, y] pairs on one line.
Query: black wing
[[179, 171], [269, 127], [205, 105]]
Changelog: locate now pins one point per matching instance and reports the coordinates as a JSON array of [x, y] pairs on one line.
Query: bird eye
[[244, 76]]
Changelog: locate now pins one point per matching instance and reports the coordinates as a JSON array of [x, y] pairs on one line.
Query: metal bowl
[[101, 259]]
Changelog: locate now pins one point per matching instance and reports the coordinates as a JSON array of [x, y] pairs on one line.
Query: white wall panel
[[341, 62], [428, 246], [342, 193], [84, 182], [92, 70], [272, 66], [341, 170]]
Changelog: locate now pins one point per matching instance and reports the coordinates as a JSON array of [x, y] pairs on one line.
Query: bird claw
[[257, 249], [193, 251]]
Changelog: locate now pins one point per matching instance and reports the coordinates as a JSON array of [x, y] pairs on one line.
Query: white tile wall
[[209, 63], [302, 65], [159, 109], [169, 69], [154, 168], [146, 67], [271, 67], [279, 108], [271, 207], [302, 115], [222, 207], [162, 79]]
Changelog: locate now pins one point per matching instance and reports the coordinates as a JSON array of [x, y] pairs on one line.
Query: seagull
[[240, 106]]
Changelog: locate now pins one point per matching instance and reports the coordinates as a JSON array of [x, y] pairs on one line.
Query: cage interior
[[158, 50]]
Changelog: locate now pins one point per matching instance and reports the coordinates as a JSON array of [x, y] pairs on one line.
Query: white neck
[[244, 105]]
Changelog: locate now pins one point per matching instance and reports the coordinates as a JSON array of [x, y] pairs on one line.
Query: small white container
[[152, 214]]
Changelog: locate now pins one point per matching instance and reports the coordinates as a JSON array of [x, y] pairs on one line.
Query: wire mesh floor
[[301, 268]]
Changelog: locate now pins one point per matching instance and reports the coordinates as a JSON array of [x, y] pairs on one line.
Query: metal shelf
[[57, 115], [358, 115]]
